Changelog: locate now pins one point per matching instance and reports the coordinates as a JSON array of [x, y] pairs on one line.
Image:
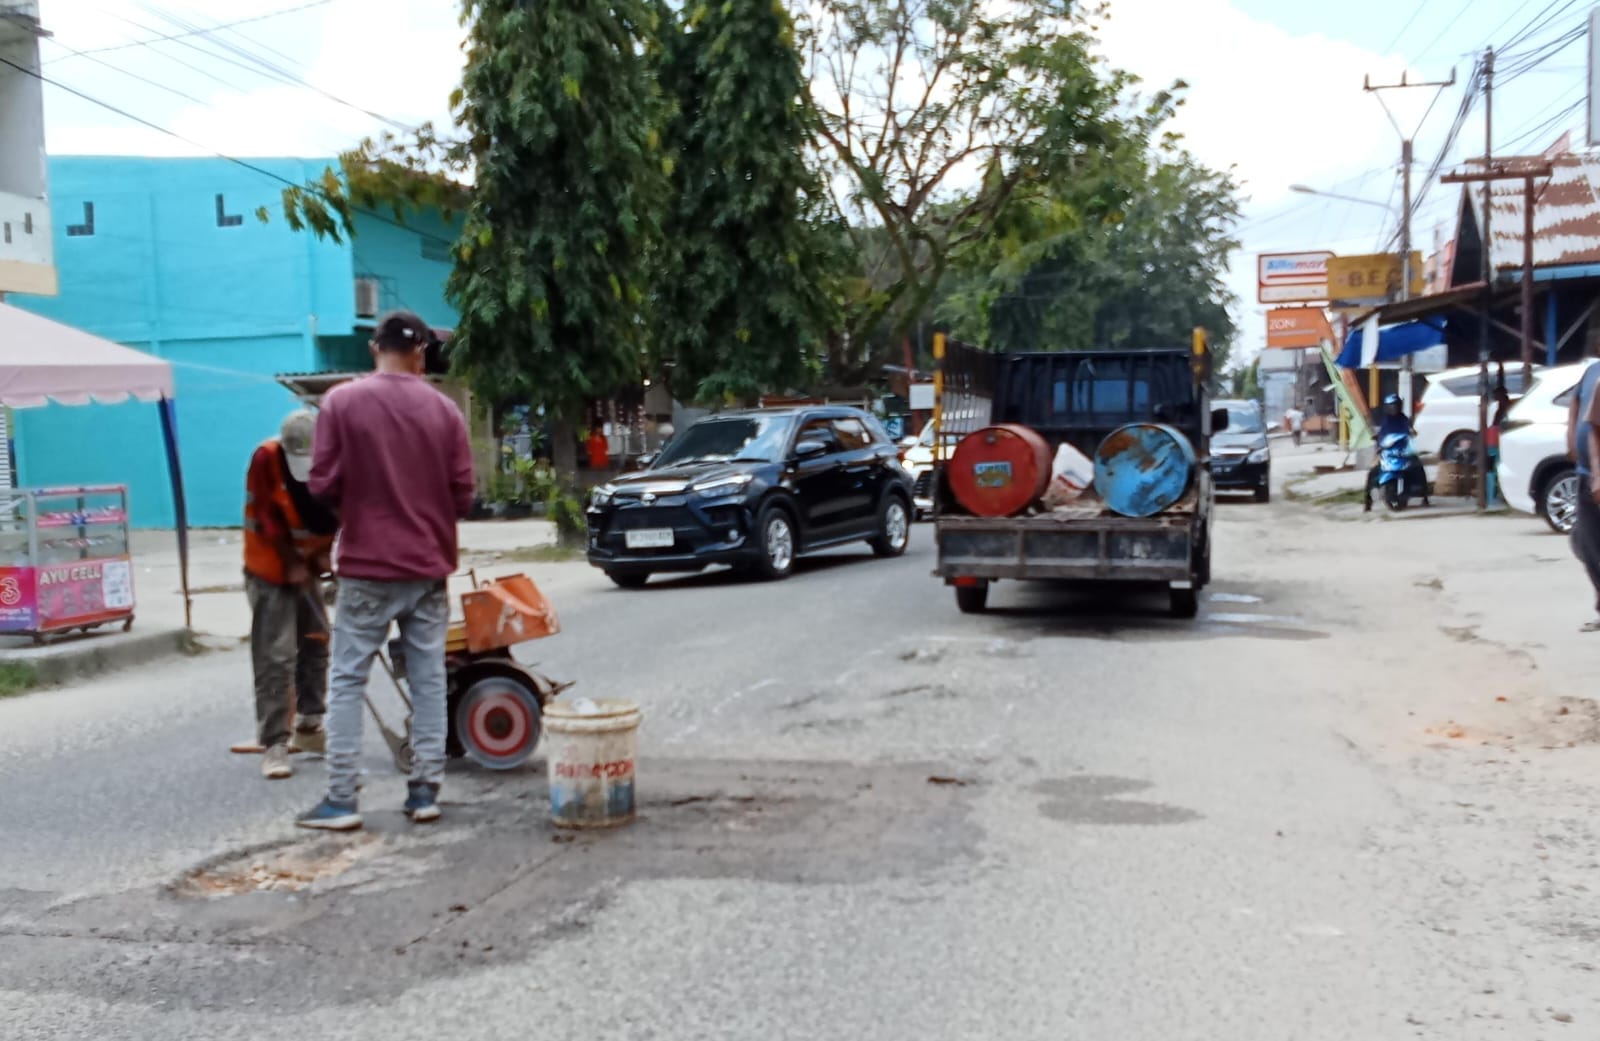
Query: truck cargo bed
[[1081, 540]]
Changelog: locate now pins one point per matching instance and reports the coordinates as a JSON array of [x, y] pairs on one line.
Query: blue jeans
[[361, 623]]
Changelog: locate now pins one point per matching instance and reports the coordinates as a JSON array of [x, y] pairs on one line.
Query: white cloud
[[1279, 108]]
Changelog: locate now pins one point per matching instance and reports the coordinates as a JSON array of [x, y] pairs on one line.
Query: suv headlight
[[722, 486], [601, 495], [1260, 455]]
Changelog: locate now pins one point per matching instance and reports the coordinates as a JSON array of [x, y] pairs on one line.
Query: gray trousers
[[290, 665], [360, 626], [1586, 536]]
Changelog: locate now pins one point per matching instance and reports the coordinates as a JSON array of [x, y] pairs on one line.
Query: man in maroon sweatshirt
[[393, 458]]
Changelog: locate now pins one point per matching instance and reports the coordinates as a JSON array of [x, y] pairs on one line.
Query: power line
[[158, 128], [253, 64], [1409, 21], [175, 36], [1448, 25], [126, 72]]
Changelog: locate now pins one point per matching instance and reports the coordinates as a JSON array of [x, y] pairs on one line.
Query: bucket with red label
[[591, 746]]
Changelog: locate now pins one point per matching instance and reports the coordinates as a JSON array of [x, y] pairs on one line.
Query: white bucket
[[591, 756]]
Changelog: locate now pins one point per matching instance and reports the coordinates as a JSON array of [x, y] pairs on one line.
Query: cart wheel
[[498, 722], [404, 758]]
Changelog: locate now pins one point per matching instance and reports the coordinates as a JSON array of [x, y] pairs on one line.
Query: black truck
[[1078, 397]]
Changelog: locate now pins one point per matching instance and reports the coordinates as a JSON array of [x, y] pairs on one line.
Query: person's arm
[[327, 477], [1572, 425], [462, 486], [260, 486], [1593, 419]]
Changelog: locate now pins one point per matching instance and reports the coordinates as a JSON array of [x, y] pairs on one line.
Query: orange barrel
[[999, 471]]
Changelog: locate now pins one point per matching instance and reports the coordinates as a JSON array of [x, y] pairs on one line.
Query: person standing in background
[[393, 457], [1296, 422], [288, 535], [1585, 535]]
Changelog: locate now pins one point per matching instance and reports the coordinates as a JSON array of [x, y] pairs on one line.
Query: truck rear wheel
[[1183, 603], [972, 599]]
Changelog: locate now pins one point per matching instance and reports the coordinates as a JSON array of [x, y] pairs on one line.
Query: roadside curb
[[80, 659]]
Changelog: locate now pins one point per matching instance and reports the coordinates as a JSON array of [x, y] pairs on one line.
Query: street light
[[1306, 189]]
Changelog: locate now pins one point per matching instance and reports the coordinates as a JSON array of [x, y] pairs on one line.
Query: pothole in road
[[282, 869], [1098, 800]]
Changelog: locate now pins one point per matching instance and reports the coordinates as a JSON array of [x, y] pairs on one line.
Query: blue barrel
[[1143, 468]]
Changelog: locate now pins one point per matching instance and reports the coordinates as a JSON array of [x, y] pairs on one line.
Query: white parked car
[[1535, 474], [1447, 416], [916, 455]]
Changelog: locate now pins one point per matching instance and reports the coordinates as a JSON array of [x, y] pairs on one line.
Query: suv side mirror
[[1219, 420], [809, 449], [644, 461]]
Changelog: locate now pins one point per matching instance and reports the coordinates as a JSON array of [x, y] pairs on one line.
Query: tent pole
[[180, 510]]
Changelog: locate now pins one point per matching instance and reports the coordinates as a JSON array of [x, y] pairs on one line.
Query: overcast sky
[[1275, 90]]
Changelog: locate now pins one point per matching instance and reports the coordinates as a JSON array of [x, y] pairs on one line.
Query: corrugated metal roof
[[1566, 214]]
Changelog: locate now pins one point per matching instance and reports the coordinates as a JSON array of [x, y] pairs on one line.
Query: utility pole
[[1406, 153]]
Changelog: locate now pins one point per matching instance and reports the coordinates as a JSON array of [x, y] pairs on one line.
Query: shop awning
[[1395, 341], [43, 361]]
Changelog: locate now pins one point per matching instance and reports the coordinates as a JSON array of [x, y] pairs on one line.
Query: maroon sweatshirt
[[393, 457]]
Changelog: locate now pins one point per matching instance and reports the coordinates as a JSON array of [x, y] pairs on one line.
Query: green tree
[[1132, 254], [1247, 381], [558, 135], [742, 301], [550, 279], [932, 117]]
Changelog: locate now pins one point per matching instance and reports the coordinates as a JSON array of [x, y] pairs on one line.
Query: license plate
[[650, 538]]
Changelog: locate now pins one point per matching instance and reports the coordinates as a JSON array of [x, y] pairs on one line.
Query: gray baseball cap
[[297, 438]]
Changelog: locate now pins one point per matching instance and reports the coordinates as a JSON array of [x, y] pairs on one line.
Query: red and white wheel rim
[[499, 723]]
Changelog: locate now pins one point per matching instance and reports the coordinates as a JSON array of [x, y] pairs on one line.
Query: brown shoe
[[311, 742]]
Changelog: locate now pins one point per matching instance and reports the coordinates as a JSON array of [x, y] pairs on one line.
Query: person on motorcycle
[[1395, 421]]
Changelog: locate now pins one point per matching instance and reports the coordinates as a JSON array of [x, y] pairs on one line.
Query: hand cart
[[496, 703]]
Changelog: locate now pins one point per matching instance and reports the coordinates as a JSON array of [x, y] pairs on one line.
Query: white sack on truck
[[1070, 474]]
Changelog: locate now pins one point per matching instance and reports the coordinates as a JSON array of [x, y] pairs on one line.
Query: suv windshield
[[762, 438], [1243, 420]]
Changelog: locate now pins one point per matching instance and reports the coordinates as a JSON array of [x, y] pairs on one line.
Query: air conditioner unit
[[367, 293]]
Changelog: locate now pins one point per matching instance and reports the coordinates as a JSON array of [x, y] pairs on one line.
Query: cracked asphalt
[[1345, 802]]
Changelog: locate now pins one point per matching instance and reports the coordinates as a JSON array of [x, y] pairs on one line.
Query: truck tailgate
[[1064, 546]]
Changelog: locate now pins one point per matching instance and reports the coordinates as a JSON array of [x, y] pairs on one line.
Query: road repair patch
[[332, 920]]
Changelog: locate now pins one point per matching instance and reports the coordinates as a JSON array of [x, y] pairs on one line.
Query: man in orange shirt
[[288, 536]]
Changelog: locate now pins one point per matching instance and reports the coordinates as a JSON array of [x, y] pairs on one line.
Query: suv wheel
[[972, 599], [629, 579], [1460, 447], [1558, 501], [894, 527], [775, 537]]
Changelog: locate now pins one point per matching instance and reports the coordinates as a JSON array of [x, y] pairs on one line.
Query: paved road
[[866, 816]]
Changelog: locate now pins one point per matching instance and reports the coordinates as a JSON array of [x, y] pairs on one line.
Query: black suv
[[1241, 458], [753, 489]]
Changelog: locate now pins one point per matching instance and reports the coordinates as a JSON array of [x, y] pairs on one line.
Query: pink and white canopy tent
[[43, 361]]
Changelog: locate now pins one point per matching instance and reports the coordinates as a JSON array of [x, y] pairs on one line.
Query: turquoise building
[[168, 256]]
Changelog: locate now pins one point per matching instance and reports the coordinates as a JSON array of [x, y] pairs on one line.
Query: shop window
[[87, 227], [224, 218]]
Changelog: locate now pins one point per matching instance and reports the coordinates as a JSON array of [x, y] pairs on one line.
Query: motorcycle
[[1400, 473]]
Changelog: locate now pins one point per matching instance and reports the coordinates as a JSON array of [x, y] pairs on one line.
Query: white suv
[[1447, 417], [1535, 474]]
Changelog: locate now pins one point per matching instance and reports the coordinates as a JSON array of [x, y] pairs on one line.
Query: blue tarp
[[1395, 342]]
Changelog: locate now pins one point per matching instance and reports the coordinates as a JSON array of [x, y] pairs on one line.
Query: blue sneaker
[[328, 815], [422, 802]]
